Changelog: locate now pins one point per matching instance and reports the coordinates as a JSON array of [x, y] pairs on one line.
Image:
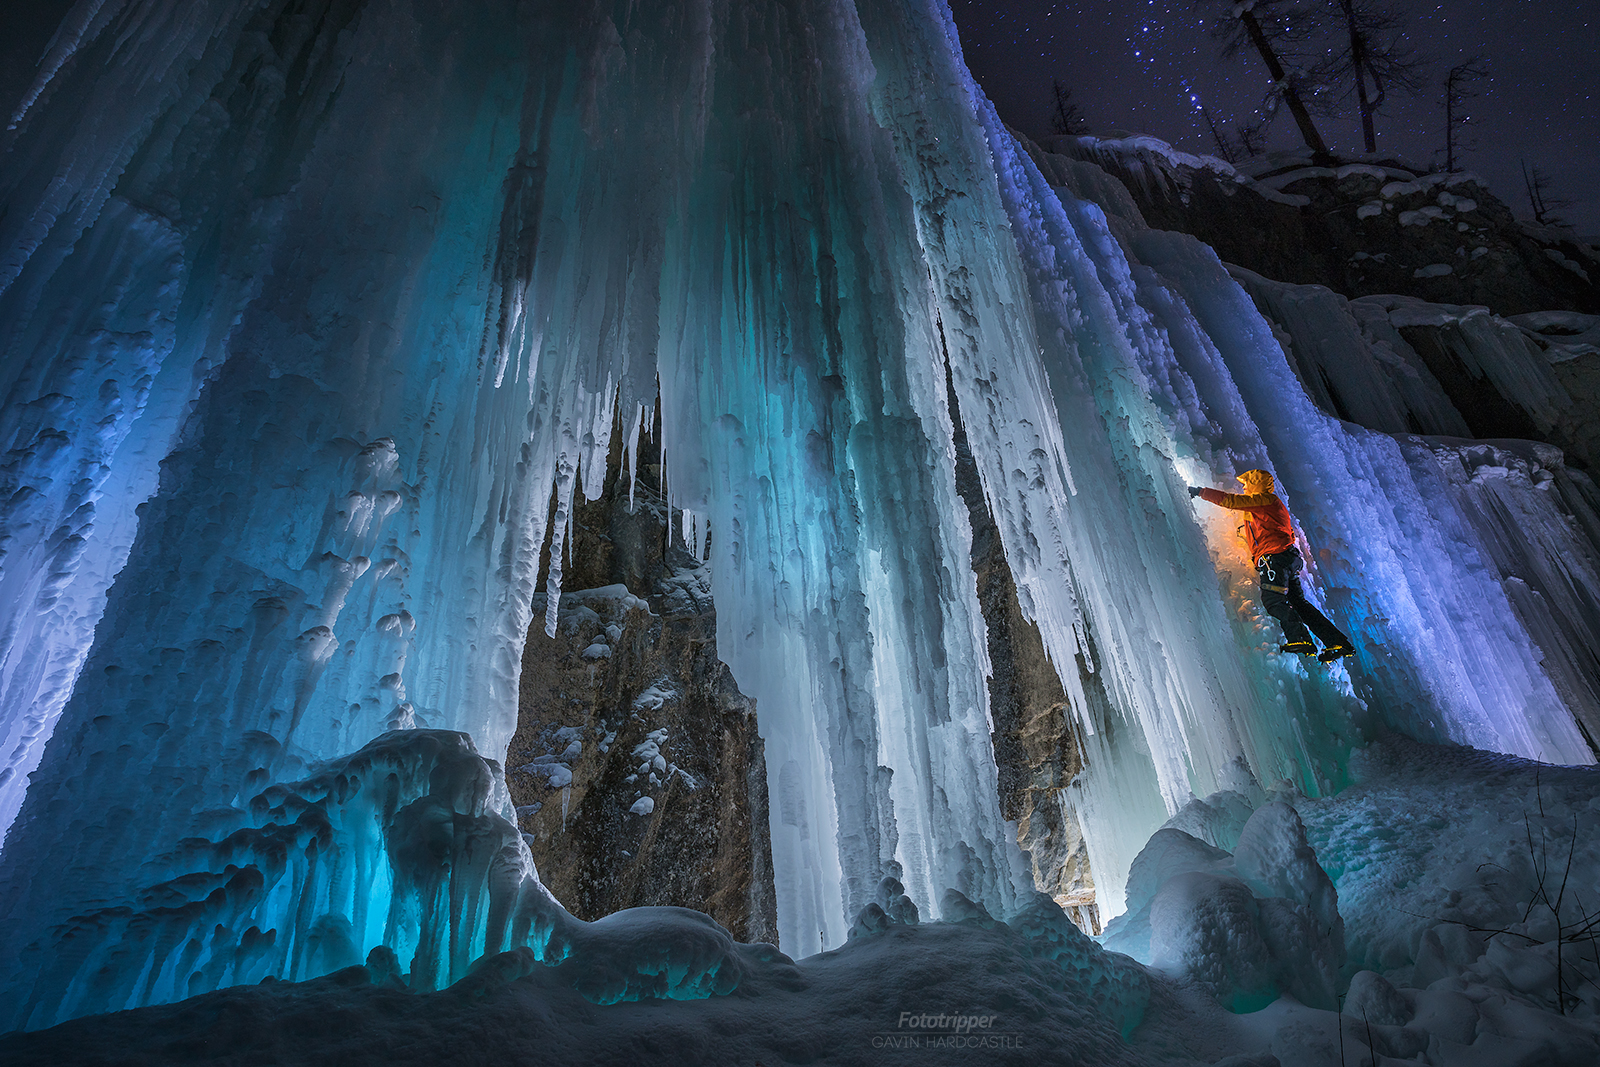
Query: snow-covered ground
[[1449, 866]]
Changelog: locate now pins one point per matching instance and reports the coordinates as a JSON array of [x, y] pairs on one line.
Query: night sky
[[1136, 65], [1139, 65]]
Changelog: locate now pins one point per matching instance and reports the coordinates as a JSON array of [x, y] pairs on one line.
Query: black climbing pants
[[1284, 600]]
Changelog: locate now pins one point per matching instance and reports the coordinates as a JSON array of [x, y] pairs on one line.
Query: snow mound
[[644, 953], [611, 599], [940, 993], [1245, 927]]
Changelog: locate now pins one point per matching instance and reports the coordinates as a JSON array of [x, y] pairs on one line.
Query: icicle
[[634, 425], [560, 530], [690, 532]]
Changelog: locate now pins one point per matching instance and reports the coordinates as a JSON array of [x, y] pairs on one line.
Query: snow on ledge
[[1404, 311], [1176, 157], [617, 594], [1142, 150], [1563, 335]]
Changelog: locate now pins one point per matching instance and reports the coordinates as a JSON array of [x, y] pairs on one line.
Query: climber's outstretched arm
[[1234, 501]]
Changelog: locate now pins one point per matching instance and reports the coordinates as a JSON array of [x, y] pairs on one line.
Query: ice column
[[1154, 370], [805, 413], [403, 318], [111, 304], [309, 234]]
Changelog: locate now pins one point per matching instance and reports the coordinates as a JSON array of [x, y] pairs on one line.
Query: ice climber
[[1269, 532]]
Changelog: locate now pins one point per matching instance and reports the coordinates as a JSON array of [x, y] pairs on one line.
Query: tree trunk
[[1302, 117], [1367, 132], [1450, 126], [1216, 135], [1358, 67]]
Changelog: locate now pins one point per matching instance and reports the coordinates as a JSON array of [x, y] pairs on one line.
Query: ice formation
[[1249, 925], [1448, 866], [313, 333]]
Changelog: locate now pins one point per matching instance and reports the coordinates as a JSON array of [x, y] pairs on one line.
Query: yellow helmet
[[1257, 481]]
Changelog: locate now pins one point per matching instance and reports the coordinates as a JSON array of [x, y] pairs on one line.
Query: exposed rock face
[[1573, 349], [1404, 366], [1382, 233], [1035, 748], [636, 767], [1568, 419], [1359, 229]]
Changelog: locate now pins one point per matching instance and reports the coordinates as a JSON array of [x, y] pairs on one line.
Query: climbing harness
[[1267, 571]]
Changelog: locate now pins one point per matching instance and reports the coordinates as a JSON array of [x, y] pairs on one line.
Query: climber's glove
[[1195, 490]]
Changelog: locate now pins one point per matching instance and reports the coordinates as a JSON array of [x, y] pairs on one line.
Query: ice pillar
[[407, 266]]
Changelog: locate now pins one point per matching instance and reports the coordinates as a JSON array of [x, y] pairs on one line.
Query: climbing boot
[[1335, 652], [1305, 648]]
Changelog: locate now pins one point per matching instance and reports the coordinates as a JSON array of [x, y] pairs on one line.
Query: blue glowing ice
[[312, 335]]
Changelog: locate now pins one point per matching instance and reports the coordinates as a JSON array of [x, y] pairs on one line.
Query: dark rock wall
[[1376, 230], [628, 702], [1579, 427], [1361, 234], [1035, 747]]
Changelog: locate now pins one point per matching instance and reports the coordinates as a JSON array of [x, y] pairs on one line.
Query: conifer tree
[[1370, 60], [1275, 30], [1066, 117]]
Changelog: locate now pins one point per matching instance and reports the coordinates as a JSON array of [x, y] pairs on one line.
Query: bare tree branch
[[1544, 206], [1371, 60], [1274, 29], [1458, 89]]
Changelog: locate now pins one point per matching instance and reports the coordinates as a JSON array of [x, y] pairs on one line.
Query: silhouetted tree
[[1544, 206], [1458, 89], [1065, 116], [1245, 142], [1371, 60], [1225, 147], [1252, 137], [1274, 29]]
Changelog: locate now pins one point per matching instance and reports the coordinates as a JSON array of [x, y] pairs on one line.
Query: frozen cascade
[[404, 846], [371, 285], [1379, 383], [94, 388], [1435, 571], [346, 534]]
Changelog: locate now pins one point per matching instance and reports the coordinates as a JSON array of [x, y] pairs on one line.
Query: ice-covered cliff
[[316, 317]]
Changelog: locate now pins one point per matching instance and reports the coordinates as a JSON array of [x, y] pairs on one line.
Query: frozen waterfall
[[314, 318]]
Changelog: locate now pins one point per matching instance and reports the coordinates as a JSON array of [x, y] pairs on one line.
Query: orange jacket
[[1267, 527]]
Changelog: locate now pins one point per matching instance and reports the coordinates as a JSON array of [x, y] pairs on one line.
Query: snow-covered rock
[[1245, 927]]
